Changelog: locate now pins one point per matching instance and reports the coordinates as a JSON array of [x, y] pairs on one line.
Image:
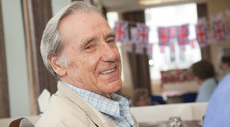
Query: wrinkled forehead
[[82, 25], [85, 18], [81, 14]]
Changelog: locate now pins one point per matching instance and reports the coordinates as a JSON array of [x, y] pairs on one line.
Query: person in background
[[224, 66], [218, 110], [78, 47], [204, 74], [140, 97]]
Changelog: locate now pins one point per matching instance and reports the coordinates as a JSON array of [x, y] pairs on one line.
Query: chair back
[[21, 122]]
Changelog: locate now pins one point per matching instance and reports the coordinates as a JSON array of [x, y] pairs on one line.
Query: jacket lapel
[[96, 117]]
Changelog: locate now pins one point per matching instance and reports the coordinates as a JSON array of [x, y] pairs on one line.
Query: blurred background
[[160, 67]]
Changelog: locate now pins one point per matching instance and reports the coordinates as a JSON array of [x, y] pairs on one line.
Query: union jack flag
[[139, 48], [121, 30], [182, 34], [219, 30], [202, 34], [219, 27], [128, 46], [142, 34], [150, 49], [164, 35]]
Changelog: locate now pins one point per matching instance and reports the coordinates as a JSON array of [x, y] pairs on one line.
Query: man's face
[[224, 66], [93, 59], [143, 100]]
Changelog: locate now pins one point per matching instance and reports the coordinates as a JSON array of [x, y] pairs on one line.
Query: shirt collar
[[101, 103]]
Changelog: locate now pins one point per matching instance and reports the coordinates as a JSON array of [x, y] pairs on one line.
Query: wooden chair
[[21, 122]]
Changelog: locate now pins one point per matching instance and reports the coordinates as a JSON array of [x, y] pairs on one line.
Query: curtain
[[4, 93], [138, 62]]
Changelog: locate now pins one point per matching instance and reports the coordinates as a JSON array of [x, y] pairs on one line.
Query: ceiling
[[132, 5]]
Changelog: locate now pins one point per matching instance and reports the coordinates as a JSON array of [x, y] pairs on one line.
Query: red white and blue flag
[[142, 34], [164, 35], [121, 30], [219, 30], [218, 27], [202, 34], [182, 34]]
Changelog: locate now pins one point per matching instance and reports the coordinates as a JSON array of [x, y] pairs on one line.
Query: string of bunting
[[167, 36]]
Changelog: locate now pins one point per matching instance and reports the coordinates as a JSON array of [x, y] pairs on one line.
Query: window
[[172, 16]]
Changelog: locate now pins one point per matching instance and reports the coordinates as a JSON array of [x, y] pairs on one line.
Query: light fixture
[[148, 2]]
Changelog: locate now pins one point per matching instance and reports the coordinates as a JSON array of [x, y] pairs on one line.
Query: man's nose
[[108, 53]]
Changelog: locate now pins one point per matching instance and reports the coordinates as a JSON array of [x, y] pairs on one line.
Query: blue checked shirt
[[115, 109]]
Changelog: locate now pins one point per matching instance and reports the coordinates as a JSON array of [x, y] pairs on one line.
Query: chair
[[21, 122], [189, 97], [157, 99]]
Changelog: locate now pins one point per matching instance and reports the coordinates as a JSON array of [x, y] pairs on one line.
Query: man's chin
[[114, 86]]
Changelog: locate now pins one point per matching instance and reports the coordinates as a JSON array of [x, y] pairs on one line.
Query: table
[[195, 123]]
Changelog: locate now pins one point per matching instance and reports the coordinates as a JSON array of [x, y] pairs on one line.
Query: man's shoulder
[[61, 110], [58, 102]]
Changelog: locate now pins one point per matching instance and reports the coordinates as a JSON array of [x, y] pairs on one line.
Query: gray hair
[[52, 43]]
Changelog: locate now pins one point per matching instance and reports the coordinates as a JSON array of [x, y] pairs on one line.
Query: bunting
[[121, 30], [164, 35], [170, 35], [143, 34], [182, 35], [218, 27], [202, 32]]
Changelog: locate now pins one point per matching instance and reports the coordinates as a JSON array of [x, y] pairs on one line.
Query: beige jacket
[[67, 109]]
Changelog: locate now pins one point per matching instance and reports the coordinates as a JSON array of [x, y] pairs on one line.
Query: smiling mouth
[[109, 71]]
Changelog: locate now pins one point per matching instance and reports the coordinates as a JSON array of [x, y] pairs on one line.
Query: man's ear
[[59, 69]]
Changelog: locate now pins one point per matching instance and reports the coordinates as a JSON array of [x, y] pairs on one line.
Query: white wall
[[57, 5], [16, 58]]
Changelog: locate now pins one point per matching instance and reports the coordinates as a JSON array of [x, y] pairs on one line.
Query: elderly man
[[78, 47]]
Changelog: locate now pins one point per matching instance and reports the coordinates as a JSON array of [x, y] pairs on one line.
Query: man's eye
[[110, 41], [88, 47]]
